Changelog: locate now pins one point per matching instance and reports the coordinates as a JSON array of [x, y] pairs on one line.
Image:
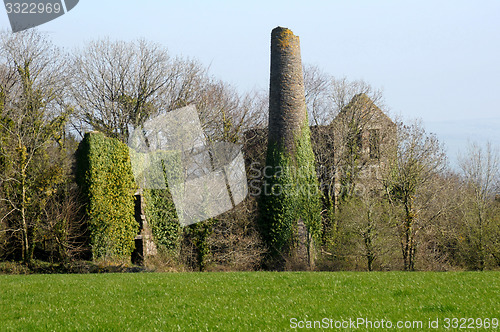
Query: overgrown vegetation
[[387, 199], [162, 216], [104, 174], [35, 181], [290, 194]]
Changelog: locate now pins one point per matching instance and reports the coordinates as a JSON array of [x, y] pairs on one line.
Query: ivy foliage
[[162, 216], [104, 174], [197, 235], [154, 169], [290, 193]]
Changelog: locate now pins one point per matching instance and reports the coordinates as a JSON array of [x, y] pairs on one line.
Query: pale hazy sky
[[435, 60]]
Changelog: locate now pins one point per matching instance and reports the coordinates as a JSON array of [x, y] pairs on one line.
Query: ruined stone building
[[144, 243], [353, 150]]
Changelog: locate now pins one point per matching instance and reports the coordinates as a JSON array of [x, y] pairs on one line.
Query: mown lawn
[[240, 301]]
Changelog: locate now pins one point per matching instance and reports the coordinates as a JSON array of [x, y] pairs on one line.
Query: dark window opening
[[374, 143], [359, 141]]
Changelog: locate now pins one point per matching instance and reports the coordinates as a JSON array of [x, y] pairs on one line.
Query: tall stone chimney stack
[[289, 203], [287, 108]]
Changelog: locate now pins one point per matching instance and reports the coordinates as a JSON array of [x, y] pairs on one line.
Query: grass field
[[242, 301]]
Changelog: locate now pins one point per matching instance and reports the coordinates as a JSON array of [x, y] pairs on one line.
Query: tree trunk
[[408, 244], [25, 249]]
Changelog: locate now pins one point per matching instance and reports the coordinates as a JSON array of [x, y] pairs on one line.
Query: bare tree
[[235, 242], [32, 120], [344, 90], [118, 85], [365, 217], [352, 137], [226, 114], [326, 96], [318, 94], [341, 112], [416, 161], [480, 168]]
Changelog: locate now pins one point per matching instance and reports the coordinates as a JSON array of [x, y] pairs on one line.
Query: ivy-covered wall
[[290, 193], [104, 174], [162, 216], [152, 170]]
